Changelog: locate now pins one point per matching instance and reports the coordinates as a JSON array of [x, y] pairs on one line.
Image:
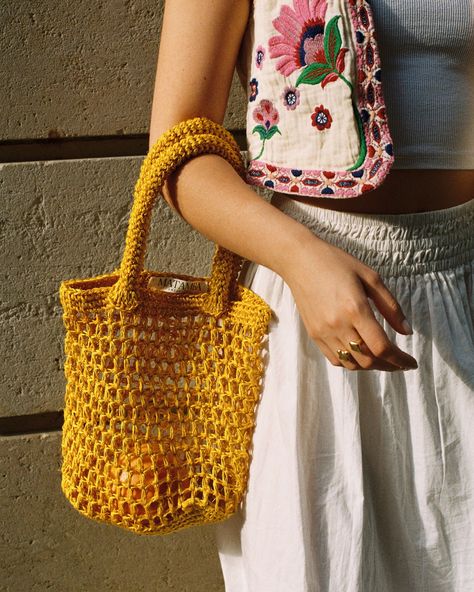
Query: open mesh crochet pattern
[[161, 386]]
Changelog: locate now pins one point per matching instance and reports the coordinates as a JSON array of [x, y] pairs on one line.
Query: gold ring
[[355, 345], [344, 354]]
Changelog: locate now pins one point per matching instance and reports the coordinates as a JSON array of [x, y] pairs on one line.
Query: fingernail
[[406, 327]]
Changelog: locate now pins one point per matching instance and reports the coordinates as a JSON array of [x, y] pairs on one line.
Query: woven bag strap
[[180, 143]]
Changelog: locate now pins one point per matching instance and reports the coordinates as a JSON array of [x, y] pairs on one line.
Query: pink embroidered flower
[[259, 56], [321, 118], [313, 49], [291, 97], [302, 35], [331, 67], [266, 114], [267, 117]]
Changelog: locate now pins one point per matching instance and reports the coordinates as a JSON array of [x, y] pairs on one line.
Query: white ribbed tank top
[[427, 54]]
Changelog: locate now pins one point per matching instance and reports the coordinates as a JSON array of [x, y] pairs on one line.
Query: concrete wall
[[79, 71]]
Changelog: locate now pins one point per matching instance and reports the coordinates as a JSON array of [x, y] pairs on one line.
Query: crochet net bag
[[163, 372]]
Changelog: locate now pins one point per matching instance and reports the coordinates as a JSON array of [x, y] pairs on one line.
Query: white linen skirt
[[363, 481]]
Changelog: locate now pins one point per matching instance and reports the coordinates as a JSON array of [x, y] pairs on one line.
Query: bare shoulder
[[198, 50]]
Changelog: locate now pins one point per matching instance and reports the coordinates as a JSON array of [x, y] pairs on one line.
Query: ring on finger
[[355, 345], [344, 354]]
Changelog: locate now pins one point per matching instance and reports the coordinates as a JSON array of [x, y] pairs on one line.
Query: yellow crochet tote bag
[[163, 372]]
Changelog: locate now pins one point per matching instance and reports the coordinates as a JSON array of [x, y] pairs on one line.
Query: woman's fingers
[[365, 359], [358, 361], [372, 332], [377, 352], [384, 300], [379, 345]]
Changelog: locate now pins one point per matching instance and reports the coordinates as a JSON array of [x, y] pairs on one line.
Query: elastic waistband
[[394, 244]]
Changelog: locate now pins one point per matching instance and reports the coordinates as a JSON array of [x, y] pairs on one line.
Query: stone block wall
[[76, 99]]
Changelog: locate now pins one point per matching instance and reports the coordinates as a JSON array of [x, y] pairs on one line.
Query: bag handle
[[180, 143]]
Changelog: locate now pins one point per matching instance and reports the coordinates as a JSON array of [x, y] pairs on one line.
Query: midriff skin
[[403, 191]]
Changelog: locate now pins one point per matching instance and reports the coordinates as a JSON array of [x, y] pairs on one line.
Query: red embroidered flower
[[321, 118], [302, 35]]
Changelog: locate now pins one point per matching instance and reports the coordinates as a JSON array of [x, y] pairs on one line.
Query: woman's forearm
[[211, 196], [331, 287]]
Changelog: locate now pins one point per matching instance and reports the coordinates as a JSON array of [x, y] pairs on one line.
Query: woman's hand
[[331, 290]]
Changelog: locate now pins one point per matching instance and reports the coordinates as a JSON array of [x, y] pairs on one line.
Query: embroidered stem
[[342, 77], [363, 145], [261, 151]]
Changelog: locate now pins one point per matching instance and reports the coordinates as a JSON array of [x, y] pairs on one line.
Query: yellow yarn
[[161, 387]]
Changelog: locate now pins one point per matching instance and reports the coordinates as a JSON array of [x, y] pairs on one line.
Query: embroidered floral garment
[[316, 120]]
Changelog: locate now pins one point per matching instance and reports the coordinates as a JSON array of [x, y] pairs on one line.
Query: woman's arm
[[199, 45]]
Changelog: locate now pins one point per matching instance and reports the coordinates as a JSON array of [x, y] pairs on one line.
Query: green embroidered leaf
[[272, 131], [264, 133], [332, 40], [314, 74], [261, 130]]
